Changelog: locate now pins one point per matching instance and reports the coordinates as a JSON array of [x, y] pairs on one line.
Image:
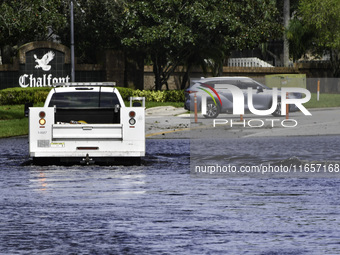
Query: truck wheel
[[45, 161], [212, 110]]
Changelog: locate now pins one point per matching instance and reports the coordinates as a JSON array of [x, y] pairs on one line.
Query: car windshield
[[84, 99], [248, 83], [241, 83]]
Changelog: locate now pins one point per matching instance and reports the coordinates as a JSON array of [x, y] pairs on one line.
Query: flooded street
[[159, 208]]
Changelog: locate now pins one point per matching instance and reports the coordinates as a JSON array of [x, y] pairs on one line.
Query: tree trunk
[[157, 70], [286, 18], [185, 78], [6, 54], [335, 62]]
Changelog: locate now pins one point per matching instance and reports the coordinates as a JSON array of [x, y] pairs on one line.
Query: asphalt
[[177, 123]]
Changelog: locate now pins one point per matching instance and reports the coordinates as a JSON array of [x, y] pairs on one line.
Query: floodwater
[[160, 208]]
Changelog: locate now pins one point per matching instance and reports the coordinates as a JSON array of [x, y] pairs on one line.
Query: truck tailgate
[[87, 131]]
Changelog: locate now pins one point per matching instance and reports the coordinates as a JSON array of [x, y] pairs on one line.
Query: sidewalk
[[163, 120], [177, 123]]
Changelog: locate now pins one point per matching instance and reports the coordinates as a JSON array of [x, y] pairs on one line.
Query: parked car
[[223, 103]]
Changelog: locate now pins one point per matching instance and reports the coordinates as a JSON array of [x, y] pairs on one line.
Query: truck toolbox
[[95, 131]]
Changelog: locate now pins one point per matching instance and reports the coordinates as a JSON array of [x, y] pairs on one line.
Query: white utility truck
[[87, 123]]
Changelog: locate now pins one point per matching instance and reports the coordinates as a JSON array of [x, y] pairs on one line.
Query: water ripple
[[158, 208]]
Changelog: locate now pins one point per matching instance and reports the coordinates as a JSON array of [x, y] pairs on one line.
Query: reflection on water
[[158, 208], [42, 181]]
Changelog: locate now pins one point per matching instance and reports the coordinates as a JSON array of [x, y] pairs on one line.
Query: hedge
[[13, 96], [160, 96]]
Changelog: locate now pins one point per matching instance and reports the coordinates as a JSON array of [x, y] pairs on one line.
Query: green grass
[[10, 112], [12, 121], [13, 127], [325, 100]]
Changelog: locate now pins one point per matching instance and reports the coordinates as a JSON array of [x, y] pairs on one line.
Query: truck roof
[[84, 86], [84, 89]]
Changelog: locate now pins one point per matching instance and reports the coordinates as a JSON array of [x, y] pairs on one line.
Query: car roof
[[221, 78]]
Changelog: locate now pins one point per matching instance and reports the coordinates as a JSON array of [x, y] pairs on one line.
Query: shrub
[[174, 95], [125, 92], [150, 95], [161, 96], [12, 96]]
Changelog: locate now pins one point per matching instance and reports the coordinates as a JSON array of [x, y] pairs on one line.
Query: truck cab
[[86, 123]]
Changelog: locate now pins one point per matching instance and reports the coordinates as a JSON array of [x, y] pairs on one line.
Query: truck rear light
[[42, 122], [132, 121], [42, 114], [132, 114]]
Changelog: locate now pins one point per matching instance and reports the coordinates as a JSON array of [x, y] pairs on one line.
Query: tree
[[173, 32], [28, 20], [31, 20], [168, 33], [319, 21], [95, 27], [286, 19], [300, 38], [286, 9], [323, 16]]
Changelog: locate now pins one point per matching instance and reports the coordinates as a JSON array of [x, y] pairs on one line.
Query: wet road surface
[[159, 208]]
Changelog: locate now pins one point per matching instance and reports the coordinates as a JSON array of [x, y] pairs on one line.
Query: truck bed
[[93, 115]]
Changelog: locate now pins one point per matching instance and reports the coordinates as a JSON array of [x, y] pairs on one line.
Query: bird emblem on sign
[[43, 62]]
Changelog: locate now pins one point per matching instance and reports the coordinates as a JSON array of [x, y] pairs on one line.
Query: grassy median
[[325, 100], [13, 122]]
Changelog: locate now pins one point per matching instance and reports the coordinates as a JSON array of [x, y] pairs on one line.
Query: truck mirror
[[117, 107]]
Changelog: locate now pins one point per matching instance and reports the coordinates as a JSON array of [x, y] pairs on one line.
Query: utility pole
[[72, 43], [286, 18]]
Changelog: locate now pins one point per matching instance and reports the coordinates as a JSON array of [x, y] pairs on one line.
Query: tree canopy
[[316, 28], [323, 16], [173, 32], [167, 32], [96, 24], [22, 21]]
